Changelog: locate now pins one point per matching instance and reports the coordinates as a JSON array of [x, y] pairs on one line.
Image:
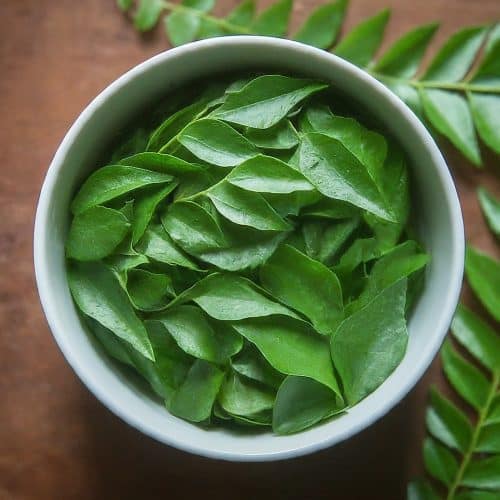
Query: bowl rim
[[42, 221]]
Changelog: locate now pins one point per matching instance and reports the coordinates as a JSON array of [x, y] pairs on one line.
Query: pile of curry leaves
[[452, 99], [249, 254]]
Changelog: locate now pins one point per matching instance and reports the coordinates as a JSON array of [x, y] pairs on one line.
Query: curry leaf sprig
[[451, 99], [464, 456], [247, 252]]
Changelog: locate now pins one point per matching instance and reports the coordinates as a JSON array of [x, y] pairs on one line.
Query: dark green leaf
[[331, 209], [162, 163], [306, 285], [217, 143], [280, 136], [447, 423], [489, 439], [402, 59], [274, 20], [421, 490], [439, 462], [147, 14], [483, 274], [451, 116], [485, 112], [291, 347], [493, 416], [266, 100], [148, 291], [196, 396], [454, 59], [369, 345], [361, 43], [361, 251], [477, 337], [246, 208], [322, 26], [112, 181], [98, 294], [467, 380], [483, 473], [476, 495], [488, 72], [95, 233], [302, 402], [200, 337]]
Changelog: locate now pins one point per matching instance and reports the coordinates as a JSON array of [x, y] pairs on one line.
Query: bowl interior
[[435, 207]]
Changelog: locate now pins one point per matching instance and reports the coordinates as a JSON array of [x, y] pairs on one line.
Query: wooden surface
[[56, 440]]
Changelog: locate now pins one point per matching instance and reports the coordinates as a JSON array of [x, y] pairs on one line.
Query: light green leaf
[[112, 181], [361, 43], [162, 163], [439, 462], [291, 347], [477, 337], [217, 143], [243, 14], [246, 208], [338, 174], [362, 250], [486, 112], [488, 72], [327, 208], [201, 5], [124, 5], [148, 291], [322, 26], [302, 402], [370, 344], [98, 294], [456, 56], [490, 207], [199, 336], [402, 59], [279, 136], [195, 398], [447, 423], [147, 14], [451, 116], [467, 380], [483, 473], [182, 27], [274, 20], [306, 285], [95, 233], [266, 100], [493, 416], [483, 274]]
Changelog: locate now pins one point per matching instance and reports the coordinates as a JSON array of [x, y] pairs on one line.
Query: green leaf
[[476, 495], [291, 347], [200, 5], [251, 364], [192, 227], [162, 163], [338, 174], [266, 100], [485, 112], [274, 20], [243, 14], [421, 490], [246, 208], [322, 26], [124, 5], [489, 439], [467, 380], [279, 136], [402, 59], [98, 294], [200, 337], [182, 27], [158, 245], [112, 181], [490, 207], [361, 43], [148, 291], [483, 473], [439, 462], [229, 297], [477, 337], [145, 205], [456, 56], [370, 344], [196, 396], [483, 274], [306, 285], [147, 14], [327, 208], [302, 402], [95, 233], [488, 72], [361, 251], [493, 416], [264, 174], [447, 423], [241, 396], [451, 116], [217, 143]]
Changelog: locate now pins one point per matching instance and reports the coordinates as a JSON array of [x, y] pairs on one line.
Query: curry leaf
[[274, 20], [147, 14], [243, 14], [484, 473], [485, 110], [440, 462], [148, 291], [279, 136], [490, 207]]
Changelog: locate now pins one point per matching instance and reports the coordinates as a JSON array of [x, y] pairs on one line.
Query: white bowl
[[435, 204]]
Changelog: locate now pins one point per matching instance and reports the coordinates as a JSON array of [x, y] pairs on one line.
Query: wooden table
[[56, 440]]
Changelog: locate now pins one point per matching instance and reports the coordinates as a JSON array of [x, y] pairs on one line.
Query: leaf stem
[[427, 84], [483, 413]]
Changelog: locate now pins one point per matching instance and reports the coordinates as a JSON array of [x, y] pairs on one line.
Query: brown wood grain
[[56, 440]]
